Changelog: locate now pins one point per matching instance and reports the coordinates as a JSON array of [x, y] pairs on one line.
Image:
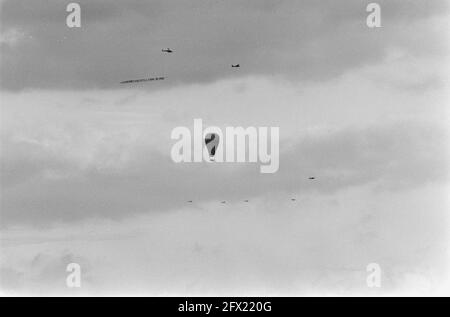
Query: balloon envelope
[[211, 142]]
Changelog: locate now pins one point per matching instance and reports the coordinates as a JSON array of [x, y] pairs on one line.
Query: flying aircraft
[[189, 201], [235, 65], [246, 200], [311, 178], [223, 202], [167, 50], [293, 199]]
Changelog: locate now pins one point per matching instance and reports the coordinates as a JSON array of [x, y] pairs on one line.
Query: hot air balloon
[[211, 142]]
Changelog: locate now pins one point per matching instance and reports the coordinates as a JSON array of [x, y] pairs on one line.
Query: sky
[[87, 177]]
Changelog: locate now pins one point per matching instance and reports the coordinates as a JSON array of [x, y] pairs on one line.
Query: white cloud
[[320, 244], [12, 37], [97, 155]]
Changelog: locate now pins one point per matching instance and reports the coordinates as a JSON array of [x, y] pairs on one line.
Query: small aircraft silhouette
[[235, 65], [223, 202], [167, 50], [293, 199], [246, 200], [189, 201], [311, 178]]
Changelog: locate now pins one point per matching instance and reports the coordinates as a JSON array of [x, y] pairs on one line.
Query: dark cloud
[[388, 157], [311, 40]]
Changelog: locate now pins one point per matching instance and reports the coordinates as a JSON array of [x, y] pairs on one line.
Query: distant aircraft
[[235, 65], [223, 202], [293, 199], [167, 50], [189, 201], [246, 200], [311, 178]]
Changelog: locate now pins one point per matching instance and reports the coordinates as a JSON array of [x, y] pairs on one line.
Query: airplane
[[293, 199], [167, 50], [235, 65], [311, 178], [224, 202], [189, 201], [246, 200]]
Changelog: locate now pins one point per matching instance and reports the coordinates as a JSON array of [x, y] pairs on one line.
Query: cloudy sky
[[87, 177]]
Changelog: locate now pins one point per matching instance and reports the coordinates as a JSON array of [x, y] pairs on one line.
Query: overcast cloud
[[308, 40], [86, 173]]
